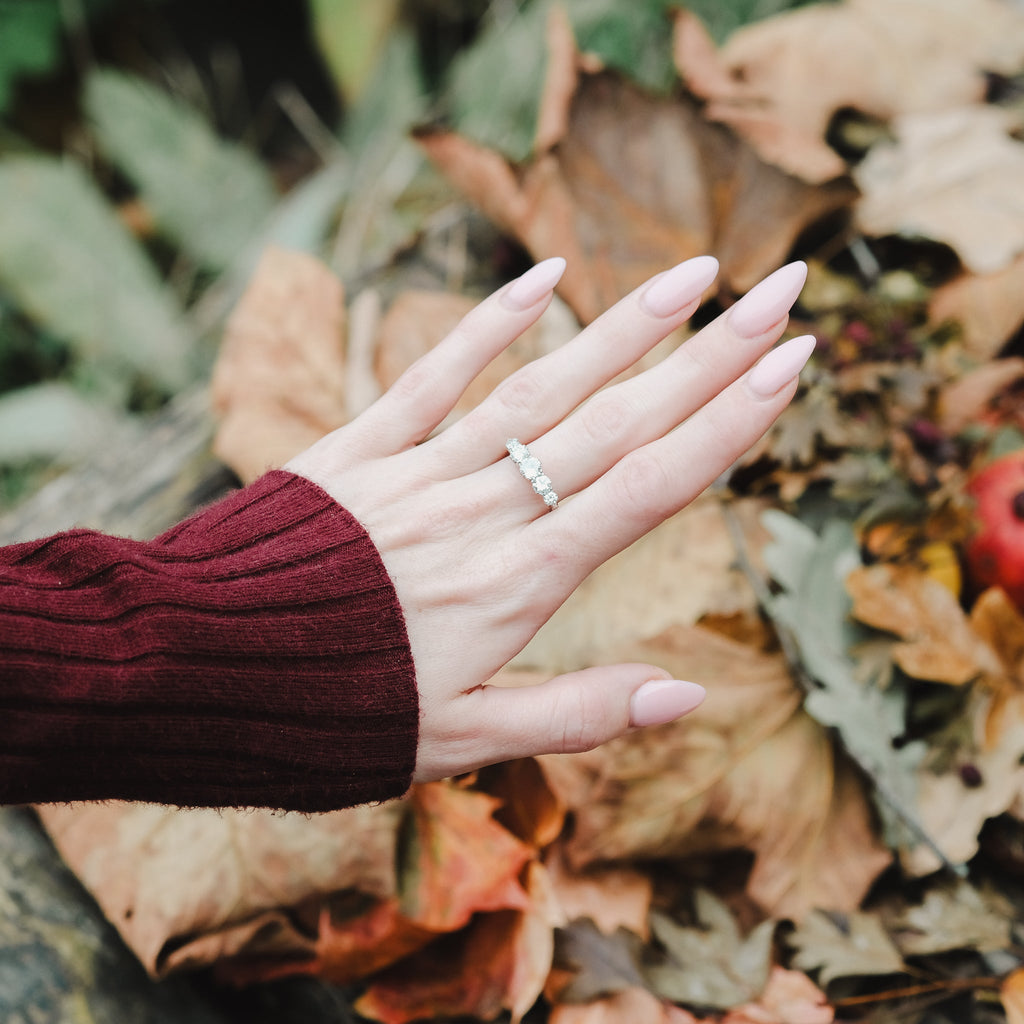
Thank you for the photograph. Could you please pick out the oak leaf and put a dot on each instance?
(844, 946)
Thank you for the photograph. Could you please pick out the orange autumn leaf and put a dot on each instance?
(1011, 993)
(630, 1006)
(459, 860)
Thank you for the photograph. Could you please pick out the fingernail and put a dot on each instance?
(677, 287)
(664, 700)
(528, 290)
(780, 366)
(768, 302)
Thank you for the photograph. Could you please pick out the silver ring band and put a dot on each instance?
(529, 466)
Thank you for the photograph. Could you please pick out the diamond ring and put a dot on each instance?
(529, 466)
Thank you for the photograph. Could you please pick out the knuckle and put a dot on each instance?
(644, 486)
(580, 728)
(607, 419)
(523, 393)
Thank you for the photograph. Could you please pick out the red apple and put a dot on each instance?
(995, 554)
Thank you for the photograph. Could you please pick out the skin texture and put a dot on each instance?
(479, 564)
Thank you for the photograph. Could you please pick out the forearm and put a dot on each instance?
(255, 655)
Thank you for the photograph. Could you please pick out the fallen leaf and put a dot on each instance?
(634, 184)
(613, 898)
(988, 307)
(459, 860)
(600, 964)
(1011, 993)
(750, 770)
(844, 946)
(952, 176)
(790, 997)
(711, 965)
(938, 643)
(187, 887)
(630, 1006)
(954, 916)
(278, 384)
(964, 401)
(780, 82)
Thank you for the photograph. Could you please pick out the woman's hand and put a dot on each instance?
(478, 560)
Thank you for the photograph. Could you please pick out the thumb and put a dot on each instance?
(581, 710)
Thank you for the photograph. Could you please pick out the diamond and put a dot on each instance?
(530, 467)
(550, 499)
(542, 484)
(517, 450)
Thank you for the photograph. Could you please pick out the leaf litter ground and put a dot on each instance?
(838, 834)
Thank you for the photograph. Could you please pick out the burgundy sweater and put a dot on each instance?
(253, 655)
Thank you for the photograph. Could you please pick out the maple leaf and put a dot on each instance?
(844, 946)
(601, 964)
(711, 965)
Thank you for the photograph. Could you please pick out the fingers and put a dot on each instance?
(532, 400)
(569, 714)
(631, 414)
(653, 482)
(429, 389)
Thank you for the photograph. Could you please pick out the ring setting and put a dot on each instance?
(529, 466)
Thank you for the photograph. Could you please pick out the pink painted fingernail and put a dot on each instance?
(538, 281)
(768, 302)
(664, 700)
(677, 287)
(780, 366)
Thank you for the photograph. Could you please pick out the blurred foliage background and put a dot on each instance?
(150, 148)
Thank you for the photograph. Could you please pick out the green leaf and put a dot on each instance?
(814, 608)
(844, 946)
(208, 195)
(72, 266)
(351, 34)
(713, 965)
(52, 422)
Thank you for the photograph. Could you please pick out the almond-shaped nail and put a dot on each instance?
(768, 302)
(664, 700)
(538, 281)
(679, 286)
(780, 366)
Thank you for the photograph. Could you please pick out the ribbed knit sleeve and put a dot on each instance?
(254, 655)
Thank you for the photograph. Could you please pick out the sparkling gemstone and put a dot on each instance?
(517, 450)
(530, 467)
(541, 484)
(550, 499)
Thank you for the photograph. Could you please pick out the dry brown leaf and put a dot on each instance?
(938, 643)
(965, 400)
(187, 887)
(615, 897)
(278, 385)
(630, 1006)
(750, 770)
(632, 185)
(790, 997)
(953, 176)
(675, 575)
(780, 81)
(988, 307)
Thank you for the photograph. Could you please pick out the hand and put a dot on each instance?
(479, 562)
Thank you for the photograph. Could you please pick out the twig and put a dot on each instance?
(947, 985)
(791, 652)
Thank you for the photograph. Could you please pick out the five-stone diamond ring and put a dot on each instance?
(529, 466)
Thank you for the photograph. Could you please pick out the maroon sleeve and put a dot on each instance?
(254, 655)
